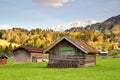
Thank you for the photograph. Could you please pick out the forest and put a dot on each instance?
(107, 41)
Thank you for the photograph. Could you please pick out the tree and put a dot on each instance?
(8, 50)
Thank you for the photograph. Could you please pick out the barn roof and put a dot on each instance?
(30, 49)
(1, 57)
(80, 44)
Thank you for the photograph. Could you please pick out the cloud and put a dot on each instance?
(53, 3)
(5, 27)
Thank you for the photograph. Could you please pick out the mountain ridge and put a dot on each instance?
(107, 24)
(77, 23)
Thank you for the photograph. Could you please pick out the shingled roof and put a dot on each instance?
(80, 44)
(30, 49)
(83, 44)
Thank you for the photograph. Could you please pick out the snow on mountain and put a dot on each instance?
(4, 26)
(78, 23)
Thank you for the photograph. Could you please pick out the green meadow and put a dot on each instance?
(105, 69)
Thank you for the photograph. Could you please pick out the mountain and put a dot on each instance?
(110, 28)
(77, 23)
(107, 24)
(3, 27)
(100, 26)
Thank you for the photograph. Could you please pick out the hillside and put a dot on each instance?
(5, 43)
(5, 46)
(110, 28)
(107, 24)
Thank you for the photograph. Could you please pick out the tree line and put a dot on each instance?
(44, 38)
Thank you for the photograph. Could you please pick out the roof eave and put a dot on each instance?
(66, 38)
(78, 46)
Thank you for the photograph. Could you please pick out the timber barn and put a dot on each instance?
(28, 54)
(69, 52)
(3, 59)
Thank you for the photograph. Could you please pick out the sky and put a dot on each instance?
(31, 14)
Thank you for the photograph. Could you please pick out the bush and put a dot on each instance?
(117, 53)
(112, 52)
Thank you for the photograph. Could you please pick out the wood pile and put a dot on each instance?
(64, 64)
(116, 56)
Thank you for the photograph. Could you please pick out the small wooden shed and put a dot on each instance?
(3, 60)
(28, 54)
(69, 52)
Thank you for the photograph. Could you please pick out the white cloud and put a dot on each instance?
(53, 3)
(5, 27)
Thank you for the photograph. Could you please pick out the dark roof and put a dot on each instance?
(1, 57)
(30, 49)
(80, 44)
(83, 44)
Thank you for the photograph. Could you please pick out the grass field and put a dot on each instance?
(106, 69)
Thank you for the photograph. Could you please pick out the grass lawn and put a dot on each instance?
(106, 69)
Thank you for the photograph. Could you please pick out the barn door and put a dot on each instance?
(34, 59)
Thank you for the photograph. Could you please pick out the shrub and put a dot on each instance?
(112, 52)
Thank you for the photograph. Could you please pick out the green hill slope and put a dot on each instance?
(4, 44)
